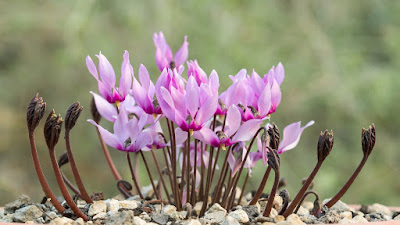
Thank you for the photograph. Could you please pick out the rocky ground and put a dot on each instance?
(136, 211)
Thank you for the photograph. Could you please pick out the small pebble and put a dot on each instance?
(378, 208)
(138, 221)
(30, 212)
(125, 204)
(240, 215)
(112, 205)
(230, 221)
(79, 221)
(347, 215)
(192, 222)
(303, 211)
(97, 207)
(279, 218)
(100, 216)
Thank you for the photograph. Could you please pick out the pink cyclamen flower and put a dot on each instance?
(234, 131)
(106, 82)
(191, 107)
(241, 93)
(144, 92)
(128, 134)
(241, 150)
(291, 137)
(164, 57)
(272, 80)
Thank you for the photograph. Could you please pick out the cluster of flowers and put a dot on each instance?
(200, 122)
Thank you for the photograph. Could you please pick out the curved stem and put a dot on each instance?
(261, 187)
(63, 188)
(133, 176)
(45, 186)
(75, 171)
(272, 194)
(70, 185)
(150, 176)
(300, 194)
(348, 183)
(303, 198)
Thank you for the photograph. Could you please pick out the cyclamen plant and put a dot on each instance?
(209, 140)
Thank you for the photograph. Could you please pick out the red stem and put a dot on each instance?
(261, 187)
(63, 188)
(150, 176)
(78, 180)
(271, 197)
(348, 183)
(45, 186)
(133, 176)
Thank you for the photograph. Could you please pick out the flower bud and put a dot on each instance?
(274, 136)
(72, 115)
(93, 110)
(52, 129)
(273, 159)
(63, 159)
(368, 139)
(35, 112)
(325, 144)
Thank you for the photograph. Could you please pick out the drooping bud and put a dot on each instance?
(274, 136)
(35, 112)
(93, 110)
(72, 115)
(325, 145)
(274, 160)
(254, 111)
(368, 139)
(63, 159)
(52, 129)
(284, 194)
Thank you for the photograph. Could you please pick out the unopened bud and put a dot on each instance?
(325, 144)
(254, 111)
(35, 112)
(273, 159)
(63, 159)
(93, 110)
(274, 136)
(52, 129)
(222, 105)
(368, 139)
(72, 115)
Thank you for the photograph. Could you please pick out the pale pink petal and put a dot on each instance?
(279, 73)
(264, 102)
(214, 82)
(144, 77)
(257, 82)
(247, 130)
(276, 96)
(207, 136)
(105, 109)
(180, 136)
(192, 97)
(207, 110)
(119, 125)
(179, 101)
(166, 103)
(109, 138)
(291, 136)
(106, 70)
(233, 119)
(143, 139)
(91, 67)
(182, 54)
(125, 81)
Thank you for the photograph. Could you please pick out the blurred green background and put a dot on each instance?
(342, 70)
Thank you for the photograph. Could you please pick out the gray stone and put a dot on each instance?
(263, 219)
(97, 207)
(279, 218)
(216, 214)
(252, 211)
(22, 201)
(356, 219)
(308, 205)
(332, 216)
(308, 219)
(122, 218)
(138, 221)
(230, 221)
(191, 222)
(30, 212)
(125, 204)
(135, 197)
(61, 221)
(397, 217)
(112, 205)
(100, 216)
(346, 214)
(2, 213)
(145, 216)
(79, 221)
(303, 211)
(240, 215)
(294, 219)
(159, 218)
(338, 206)
(378, 208)
(373, 217)
(6, 218)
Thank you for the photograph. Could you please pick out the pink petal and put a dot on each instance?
(279, 73)
(144, 77)
(207, 110)
(180, 136)
(291, 136)
(106, 109)
(182, 54)
(257, 82)
(247, 130)
(214, 82)
(264, 101)
(106, 70)
(233, 119)
(125, 81)
(276, 96)
(119, 125)
(192, 97)
(166, 103)
(109, 138)
(91, 67)
(207, 136)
